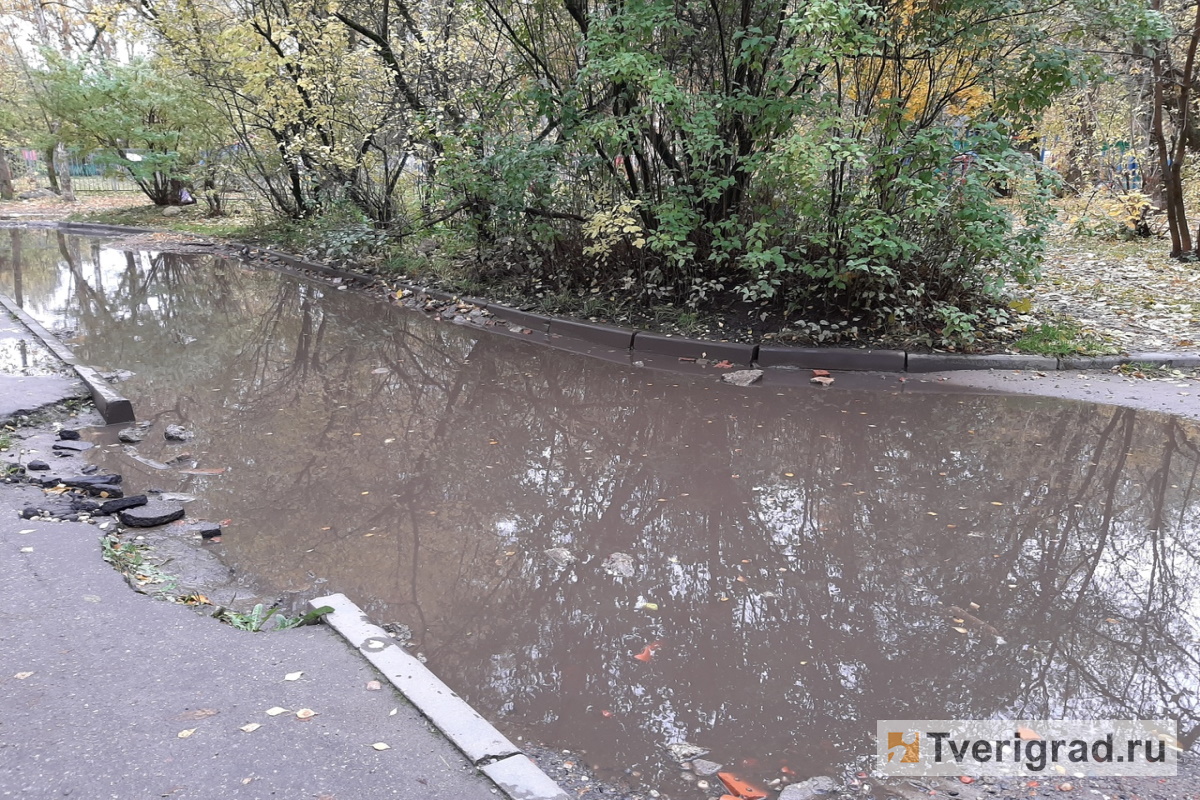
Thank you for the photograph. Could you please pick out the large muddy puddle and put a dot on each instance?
(794, 563)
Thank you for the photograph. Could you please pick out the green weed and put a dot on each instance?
(258, 618)
(1061, 338)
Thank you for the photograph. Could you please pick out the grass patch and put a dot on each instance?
(5, 441)
(258, 618)
(191, 219)
(130, 560)
(1061, 338)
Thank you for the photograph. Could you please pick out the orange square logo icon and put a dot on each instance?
(904, 747)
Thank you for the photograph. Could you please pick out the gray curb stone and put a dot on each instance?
(1091, 362)
(112, 406)
(694, 348)
(471, 733)
(831, 358)
(518, 777)
(936, 362)
(606, 335)
(535, 322)
(477, 738)
(1163, 359)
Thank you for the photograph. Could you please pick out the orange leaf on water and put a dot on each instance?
(647, 652)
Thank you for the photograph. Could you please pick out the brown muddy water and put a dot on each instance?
(801, 562)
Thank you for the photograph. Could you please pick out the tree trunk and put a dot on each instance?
(52, 170)
(6, 179)
(63, 167)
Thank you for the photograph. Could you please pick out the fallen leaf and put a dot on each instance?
(276, 711)
(381, 746)
(293, 676)
(185, 734)
(820, 373)
(380, 371)
(22, 675)
(821, 381)
(202, 471)
(392, 713)
(647, 652)
(305, 713)
(606, 713)
(28, 530)
(1027, 733)
(966, 779)
(962, 630)
(374, 686)
(723, 365)
(251, 728)
(199, 713)
(26, 549)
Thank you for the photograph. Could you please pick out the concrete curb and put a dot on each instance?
(760, 355)
(487, 748)
(112, 406)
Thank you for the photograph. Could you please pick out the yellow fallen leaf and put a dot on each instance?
(293, 676)
(276, 711)
(251, 728)
(374, 686)
(962, 630)
(22, 675)
(305, 713)
(381, 746)
(185, 734)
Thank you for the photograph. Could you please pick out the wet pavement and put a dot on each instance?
(110, 694)
(615, 559)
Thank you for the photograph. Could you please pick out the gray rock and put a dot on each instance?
(704, 767)
(37, 464)
(152, 514)
(742, 377)
(208, 530)
(810, 789)
(71, 447)
(177, 433)
(172, 211)
(131, 435)
(68, 435)
(621, 565)
(560, 555)
(684, 751)
(36, 194)
(122, 503)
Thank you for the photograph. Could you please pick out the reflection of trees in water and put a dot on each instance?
(851, 586)
(28, 271)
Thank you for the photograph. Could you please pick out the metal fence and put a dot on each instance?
(87, 177)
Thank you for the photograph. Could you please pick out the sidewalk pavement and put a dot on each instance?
(99, 687)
